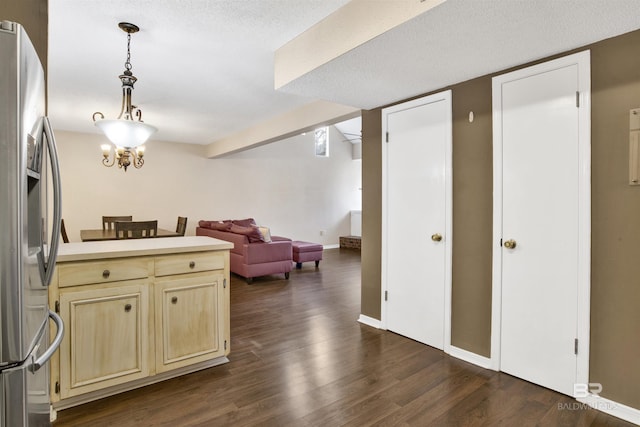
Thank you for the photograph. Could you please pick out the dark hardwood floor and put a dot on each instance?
(300, 358)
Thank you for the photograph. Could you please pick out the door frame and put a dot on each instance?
(448, 232)
(582, 60)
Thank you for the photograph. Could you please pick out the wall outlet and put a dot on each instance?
(322, 232)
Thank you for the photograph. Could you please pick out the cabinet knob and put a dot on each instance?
(106, 274)
(192, 264)
(127, 308)
(174, 300)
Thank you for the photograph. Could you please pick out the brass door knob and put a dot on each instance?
(436, 237)
(510, 244)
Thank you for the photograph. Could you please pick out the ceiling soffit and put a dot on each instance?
(456, 41)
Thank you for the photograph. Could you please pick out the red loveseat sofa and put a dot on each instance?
(253, 253)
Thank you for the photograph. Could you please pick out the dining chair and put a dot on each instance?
(108, 221)
(136, 229)
(63, 231)
(181, 227)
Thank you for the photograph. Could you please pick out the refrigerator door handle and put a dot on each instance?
(57, 202)
(40, 361)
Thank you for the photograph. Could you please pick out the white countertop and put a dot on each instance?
(138, 247)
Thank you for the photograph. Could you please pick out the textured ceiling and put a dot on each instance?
(205, 67)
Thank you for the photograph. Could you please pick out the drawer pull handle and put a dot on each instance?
(106, 274)
(127, 308)
(174, 300)
(192, 264)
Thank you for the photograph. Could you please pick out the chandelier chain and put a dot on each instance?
(127, 64)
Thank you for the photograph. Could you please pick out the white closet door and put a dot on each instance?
(418, 237)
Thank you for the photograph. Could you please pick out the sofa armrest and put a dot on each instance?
(260, 252)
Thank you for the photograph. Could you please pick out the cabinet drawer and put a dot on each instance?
(189, 263)
(84, 273)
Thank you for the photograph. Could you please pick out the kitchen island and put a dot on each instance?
(137, 312)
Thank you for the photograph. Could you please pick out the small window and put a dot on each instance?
(322, 141)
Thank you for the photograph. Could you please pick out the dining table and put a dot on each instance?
(96, 235)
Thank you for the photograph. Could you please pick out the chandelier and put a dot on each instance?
(128, 132)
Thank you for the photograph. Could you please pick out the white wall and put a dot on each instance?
(282, 185)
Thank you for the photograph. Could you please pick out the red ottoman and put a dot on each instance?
(306, 251)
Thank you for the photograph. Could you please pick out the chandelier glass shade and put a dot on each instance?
(128, 132)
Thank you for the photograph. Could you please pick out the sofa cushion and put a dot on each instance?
(252, 232)
(266, 233)
(216, 225)
(248, 222)
(238, 240)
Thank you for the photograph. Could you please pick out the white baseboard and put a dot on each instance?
(467, 356)
(610, 407)
(370, 321)
(334, 246)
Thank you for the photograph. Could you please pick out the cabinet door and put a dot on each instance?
(107, 341)
(189, 320)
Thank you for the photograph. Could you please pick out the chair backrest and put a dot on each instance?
(63, 231)
(181, 227)
(108, 221)
(136, 229)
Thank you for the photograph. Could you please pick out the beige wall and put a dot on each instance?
(615, 269)
(282, 185)
(615, 239)
(472, 217)
(370, 302)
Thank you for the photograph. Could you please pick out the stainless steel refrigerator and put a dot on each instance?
(29, 236)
